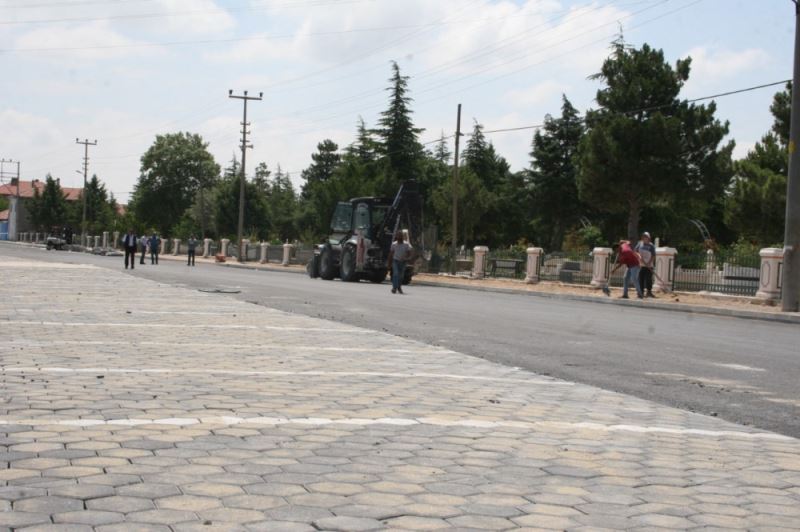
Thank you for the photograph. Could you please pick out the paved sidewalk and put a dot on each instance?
(130, 405)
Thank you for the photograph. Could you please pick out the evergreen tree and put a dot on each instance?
(100, 208)
(399, 144)
(325, 162)
(48, 209)
(756, 204)
(365, 148)
(554, 188)
(226, 205)
(441, 152)
(644, 145)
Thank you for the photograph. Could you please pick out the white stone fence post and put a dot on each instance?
(263, 256)
(105, 239)
(479, 262)
(534, 265)
(223, 247)
(770, 278)
(116, 240)
(97, 241)
(601, 267)
(176, 246)
(163, 250)
(665, 269)
(243, 249)
(206, 247)
(287, 254)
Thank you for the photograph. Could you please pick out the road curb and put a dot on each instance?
(678, 307)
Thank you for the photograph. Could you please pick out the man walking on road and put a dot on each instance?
(399, 254)
(143, 246)
(155, 246)
(129, 242)
(647, 251)
(191, 244)
(630, 259)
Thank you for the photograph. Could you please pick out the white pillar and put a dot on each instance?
(479, 262)
(223, 249)
(287, 254)
(600, 267)
(176, 246)
(533, 266)
(665, 269)
(263, 253)
(97, 241)
(769, 284)
(163, 250)
(105, 239)
(243, 249)
(116, 239)
(206, 247)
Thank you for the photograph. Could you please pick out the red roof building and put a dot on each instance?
(26, 189)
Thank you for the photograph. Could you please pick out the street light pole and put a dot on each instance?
(240, 227)
(790, 300)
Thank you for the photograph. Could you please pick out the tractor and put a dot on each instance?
(362, 232)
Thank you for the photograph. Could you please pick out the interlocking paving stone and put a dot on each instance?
(241, 417)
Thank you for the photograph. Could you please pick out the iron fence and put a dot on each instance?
(573, 267)
(725, 272)
(506, 263)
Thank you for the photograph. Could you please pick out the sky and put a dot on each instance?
(124, 71)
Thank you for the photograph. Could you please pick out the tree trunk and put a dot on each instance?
(634, 210)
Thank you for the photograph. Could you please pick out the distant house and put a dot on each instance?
(4, 224)
(17, 219)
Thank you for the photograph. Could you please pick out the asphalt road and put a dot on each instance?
(741, 370)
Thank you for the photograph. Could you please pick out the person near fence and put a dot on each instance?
(399, 254)
(647, 251)
(143, 247)
(129, 242)
(629, 258)
(191, 246)
(155, 247)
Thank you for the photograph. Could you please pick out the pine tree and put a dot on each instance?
(325, 162)
(554, 188)
(49, 208)
(399, 145)
(645, 146)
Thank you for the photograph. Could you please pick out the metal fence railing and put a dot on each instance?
(573, 267)
(509, 264)
(724, 272)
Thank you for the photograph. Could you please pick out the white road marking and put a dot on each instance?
(440, 422)
(739, 367)
(178, 326)
(281, 373)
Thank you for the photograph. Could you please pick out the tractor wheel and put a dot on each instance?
(349, 274)
(326, 268)
(313, 267)
(49, 246)
(378, 277)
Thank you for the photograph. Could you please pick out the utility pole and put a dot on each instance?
(86, 145)
(790, 301)
(455, 194)
(16, 204)
(240, 229)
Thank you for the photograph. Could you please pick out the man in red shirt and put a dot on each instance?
(627, 257)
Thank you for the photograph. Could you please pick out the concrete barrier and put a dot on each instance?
(479, 263)
(771, 274)
(287, 254)
(601, 266)
(533, 265)
(665, 269)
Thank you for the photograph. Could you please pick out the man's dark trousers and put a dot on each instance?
(130, 254)
(190, 258)
(646, 280)
(153, 257)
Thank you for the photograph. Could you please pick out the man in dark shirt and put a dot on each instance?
(647, 251)
(129, 242)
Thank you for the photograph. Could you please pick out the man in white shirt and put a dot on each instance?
(399, 254)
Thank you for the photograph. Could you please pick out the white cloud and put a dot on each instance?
(93, 40)
(710, 64)
(197, 17)
(546, 92)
